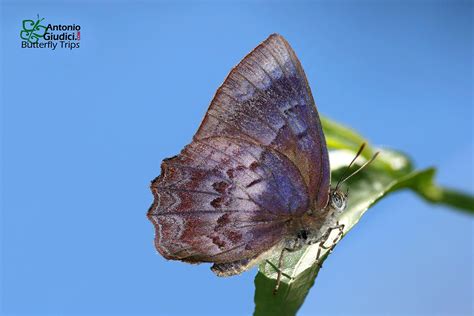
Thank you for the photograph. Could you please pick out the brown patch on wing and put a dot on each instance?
(221, 200)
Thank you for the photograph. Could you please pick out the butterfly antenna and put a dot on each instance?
(360, 168)
(361, 148)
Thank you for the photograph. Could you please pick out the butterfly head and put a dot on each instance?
(338, 200)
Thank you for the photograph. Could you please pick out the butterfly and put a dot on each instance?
(256, 177)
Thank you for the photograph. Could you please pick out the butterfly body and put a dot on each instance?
(256, 178)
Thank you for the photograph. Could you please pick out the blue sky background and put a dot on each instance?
(84, 132)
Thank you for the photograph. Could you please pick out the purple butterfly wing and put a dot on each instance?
(266, 99)
(257, 163)
(224, 199)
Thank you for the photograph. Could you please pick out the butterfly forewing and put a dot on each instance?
(266, 99)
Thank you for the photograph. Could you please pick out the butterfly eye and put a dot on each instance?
(338, 201)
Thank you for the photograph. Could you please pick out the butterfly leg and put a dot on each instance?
(290, 246)
(325, 237)
(278, 280)
(339, 235)
(322, 240)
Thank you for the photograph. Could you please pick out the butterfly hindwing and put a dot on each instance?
(223, 200)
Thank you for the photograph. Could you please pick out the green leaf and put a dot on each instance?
(390, 172)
